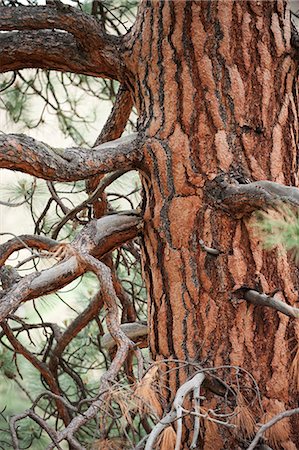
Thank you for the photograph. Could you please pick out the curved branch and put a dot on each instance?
(90, 44)
(25, 241)
(118, 117)
(98, 238)
(80, 322)
(243, 199)
(41, 367)
(25, 154)
(103, 184)
(47, 50)
(134, 330)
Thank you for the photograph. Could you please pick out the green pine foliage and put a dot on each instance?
(280, 227)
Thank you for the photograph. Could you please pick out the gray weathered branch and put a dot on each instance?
(176, 411)
(270, 424)
(134, 331)
(266, 300)
(243, 199)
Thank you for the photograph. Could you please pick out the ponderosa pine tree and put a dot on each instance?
(215, 85)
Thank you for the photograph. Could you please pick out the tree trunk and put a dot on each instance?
(216, 93)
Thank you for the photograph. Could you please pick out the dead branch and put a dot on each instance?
(123, 342)
(41, 367)
(243, 199)
(266, 300)
(22, 153)
(134, 331)
(176, 412)
(269, 424)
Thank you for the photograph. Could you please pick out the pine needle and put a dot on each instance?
(243, 418)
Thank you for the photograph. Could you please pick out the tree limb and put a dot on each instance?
(98, 238)
(118, 118)
(25, 241)
(243, 199)
(25, 154)
(266, 300)
(90, 44)
(54, 50)
(134, 331)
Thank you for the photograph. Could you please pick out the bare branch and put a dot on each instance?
(103, 184)
(25, 154)
(98, 238)
(266, 300)
(90, 312)
(45, 50)
(243, 199)
(118, 117)
(90, 44)
(123, 342)
(25, 241)
(134, 331)
(270, 424)
(113, 129)
(41, 367)
(176, 411)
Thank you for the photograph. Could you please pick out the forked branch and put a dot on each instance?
(176, 413)
(98, 238)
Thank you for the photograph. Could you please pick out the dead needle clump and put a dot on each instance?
(295, 369)
(243, 418)
(167, 439)
(146, 396)
(110, 444)
(279, 432)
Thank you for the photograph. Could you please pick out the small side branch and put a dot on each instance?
(270, 424)
(134, 331)
(243, 199)
(256, 298)
(25, 154)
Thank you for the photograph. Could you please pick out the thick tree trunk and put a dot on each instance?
(216, 92)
